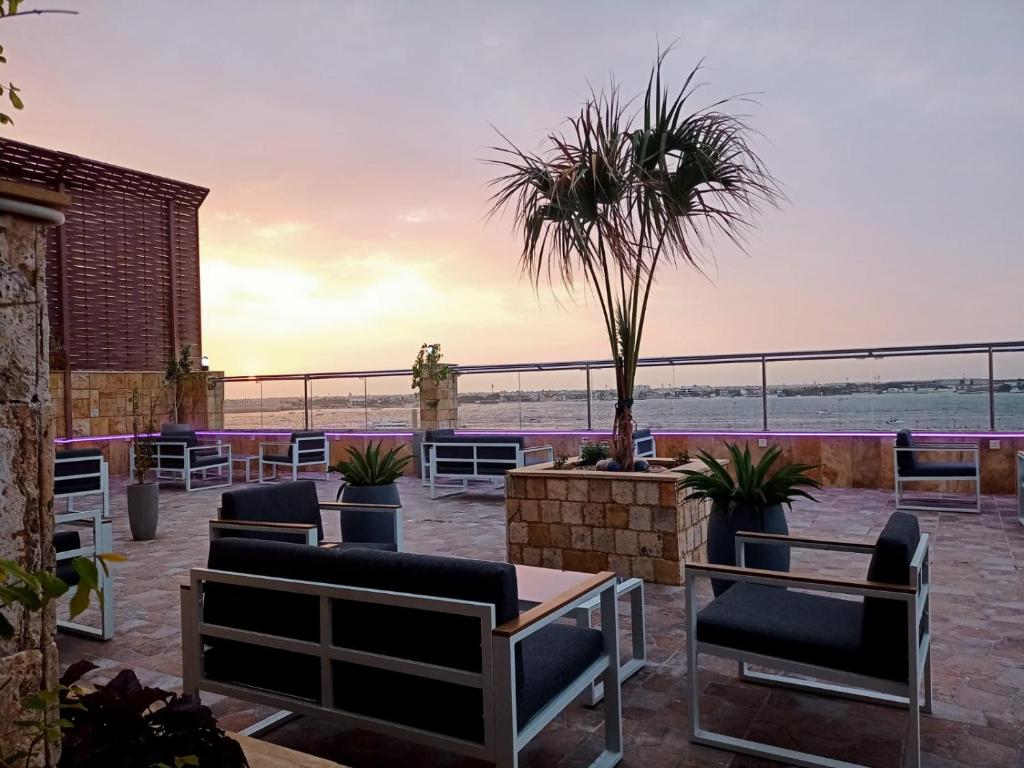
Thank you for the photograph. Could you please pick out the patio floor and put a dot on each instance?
(978, 646)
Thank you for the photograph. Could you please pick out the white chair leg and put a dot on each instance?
(612, 680)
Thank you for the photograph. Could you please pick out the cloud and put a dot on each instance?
(424, 216)
(281, 230)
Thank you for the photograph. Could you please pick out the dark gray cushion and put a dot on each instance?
(200, 460)
(277, 458)
(551, 659)
(813, 629)
(905, 460)
(885, 621)
(292, 502)
(65, 541)
(308, 451)
(939, 469)
(77, 461)
(432, 434)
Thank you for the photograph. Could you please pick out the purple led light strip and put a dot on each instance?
(569, 433)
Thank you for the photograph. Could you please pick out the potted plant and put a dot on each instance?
(749, 498)
(631, 184)
(143, 496)
(368, 477)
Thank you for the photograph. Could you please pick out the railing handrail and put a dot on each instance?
(646, 362)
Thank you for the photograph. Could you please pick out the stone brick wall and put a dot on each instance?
(101, 402)
(634, 524)
(28, 661)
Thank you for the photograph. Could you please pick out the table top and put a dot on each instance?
(538, 585)
(244, 456)
(262, 754)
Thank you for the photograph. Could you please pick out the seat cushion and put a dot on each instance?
(277, 458)
(66, 541)
(292, 502)
(208, 461)
(551, 659)
(801, 627)
(939, 469)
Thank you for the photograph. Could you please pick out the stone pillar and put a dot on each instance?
(28, 661)
(439, 403)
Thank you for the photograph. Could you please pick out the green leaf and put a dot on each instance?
(51, 586)
(80, 600)
(16, 101)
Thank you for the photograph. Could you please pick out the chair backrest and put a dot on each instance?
(78, 461)
(418, 635)
(885, 621)
(905, 460)
(495, 454)
(291, 502)
(310, 446)
(643, 442)
(432, 434)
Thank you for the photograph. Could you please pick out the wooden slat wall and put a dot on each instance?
(117, 241)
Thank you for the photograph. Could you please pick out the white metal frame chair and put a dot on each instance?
(920, 475)
(166, 453)
(517, 456)
(916, 598)
(645, 447)
(102, 476)
(503, 738)
(297, 447)
(102, 543)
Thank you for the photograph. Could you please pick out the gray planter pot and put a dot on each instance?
(370, 526)
(722, 528)
(143, 510)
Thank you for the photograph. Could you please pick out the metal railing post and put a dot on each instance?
(764, 394)
(366, 407)
(306, 416)
(991, 392)
(590, 422)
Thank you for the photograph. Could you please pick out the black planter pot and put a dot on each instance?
(370, 526)
(722, 528)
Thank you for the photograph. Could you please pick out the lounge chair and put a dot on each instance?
(875, 649)
(291, 512)
(303, 449)
(430, 649)
(910, 469)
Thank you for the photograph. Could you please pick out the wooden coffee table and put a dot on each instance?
(261, 754)
(539, 585)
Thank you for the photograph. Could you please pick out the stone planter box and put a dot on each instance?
(632, 523)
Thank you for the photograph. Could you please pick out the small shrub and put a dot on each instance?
(591, 453)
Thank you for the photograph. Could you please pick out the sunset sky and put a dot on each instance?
(341, 142)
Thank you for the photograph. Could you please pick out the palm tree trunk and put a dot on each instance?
(622, 429)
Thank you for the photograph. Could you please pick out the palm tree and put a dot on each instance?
(623, 189)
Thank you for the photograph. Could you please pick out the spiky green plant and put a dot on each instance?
(372, 466)
(750, 484)
(624, 189)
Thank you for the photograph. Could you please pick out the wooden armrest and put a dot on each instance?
(185, 587)
(267, 524)
(354, 505)
(806, 541)
(540, 612)
(805, 580)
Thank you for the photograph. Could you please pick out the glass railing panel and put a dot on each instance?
(1009, 390)
(243, 405)
(933, 392)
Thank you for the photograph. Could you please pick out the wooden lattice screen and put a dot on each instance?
(122, 274)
